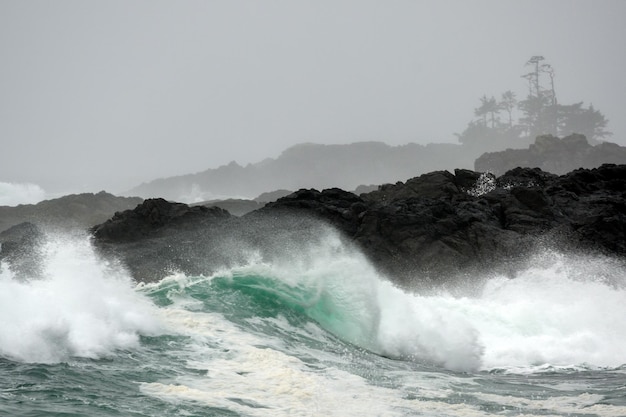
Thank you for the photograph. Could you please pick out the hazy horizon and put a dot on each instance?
(107, 95)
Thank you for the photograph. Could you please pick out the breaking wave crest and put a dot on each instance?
(561, 311)
(81, 307)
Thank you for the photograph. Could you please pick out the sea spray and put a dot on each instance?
(81, 307)
(560, 311)
(431, 329)
(333, 284)
(313, 331)
(565, 311)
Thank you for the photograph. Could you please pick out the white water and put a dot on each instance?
(80, 308)
(547, 315)
(249, 373)
(560, 312)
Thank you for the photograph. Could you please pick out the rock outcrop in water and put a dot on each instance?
(159, 236)
(435, 227)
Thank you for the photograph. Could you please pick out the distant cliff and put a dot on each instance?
(310, 166)
(554, 155)
(75, 210)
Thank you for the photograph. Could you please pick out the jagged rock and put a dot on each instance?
(431, 226)
(159, 236)
(154, 217)
(435, 227)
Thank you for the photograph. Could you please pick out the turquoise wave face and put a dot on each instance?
(311, 332)
(347, 312)
(522, 323)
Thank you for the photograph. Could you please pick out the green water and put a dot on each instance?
(327, 337)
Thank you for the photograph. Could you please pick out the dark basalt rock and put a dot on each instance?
(158, 237)
(155, 217)
(431, 228)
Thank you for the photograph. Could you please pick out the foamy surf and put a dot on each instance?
(558, 312)
(315, 332)
(562, 313)
(80, 307)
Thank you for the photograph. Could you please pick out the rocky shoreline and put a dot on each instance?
(436, 227)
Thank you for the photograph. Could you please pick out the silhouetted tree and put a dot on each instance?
(508, 102)
(488, 107)
(534, 76)
(539, 108)
(540, 113)
(574, 118)
(537, 119)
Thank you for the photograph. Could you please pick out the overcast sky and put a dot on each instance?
(108, 94)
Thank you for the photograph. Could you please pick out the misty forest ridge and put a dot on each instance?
(363, 166)
(534, 122)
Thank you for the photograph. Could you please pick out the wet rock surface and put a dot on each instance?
(430, 228)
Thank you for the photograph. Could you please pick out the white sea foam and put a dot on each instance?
(553, 314)
(245, 376)
(582, 404)
(12, 194)
(431, 329)
(562, 311)
(80, 308)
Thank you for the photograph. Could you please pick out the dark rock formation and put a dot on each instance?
(158, 237)
(432, 228)
(554, 155)
(155, 217)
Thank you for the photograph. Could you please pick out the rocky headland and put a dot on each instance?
(436, 227)
(553, 154)
(310, 165)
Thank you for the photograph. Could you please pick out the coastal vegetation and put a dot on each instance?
(512, 122)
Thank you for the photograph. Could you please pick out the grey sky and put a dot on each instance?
(106, 95)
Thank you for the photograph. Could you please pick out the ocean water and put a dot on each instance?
(316, 332)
